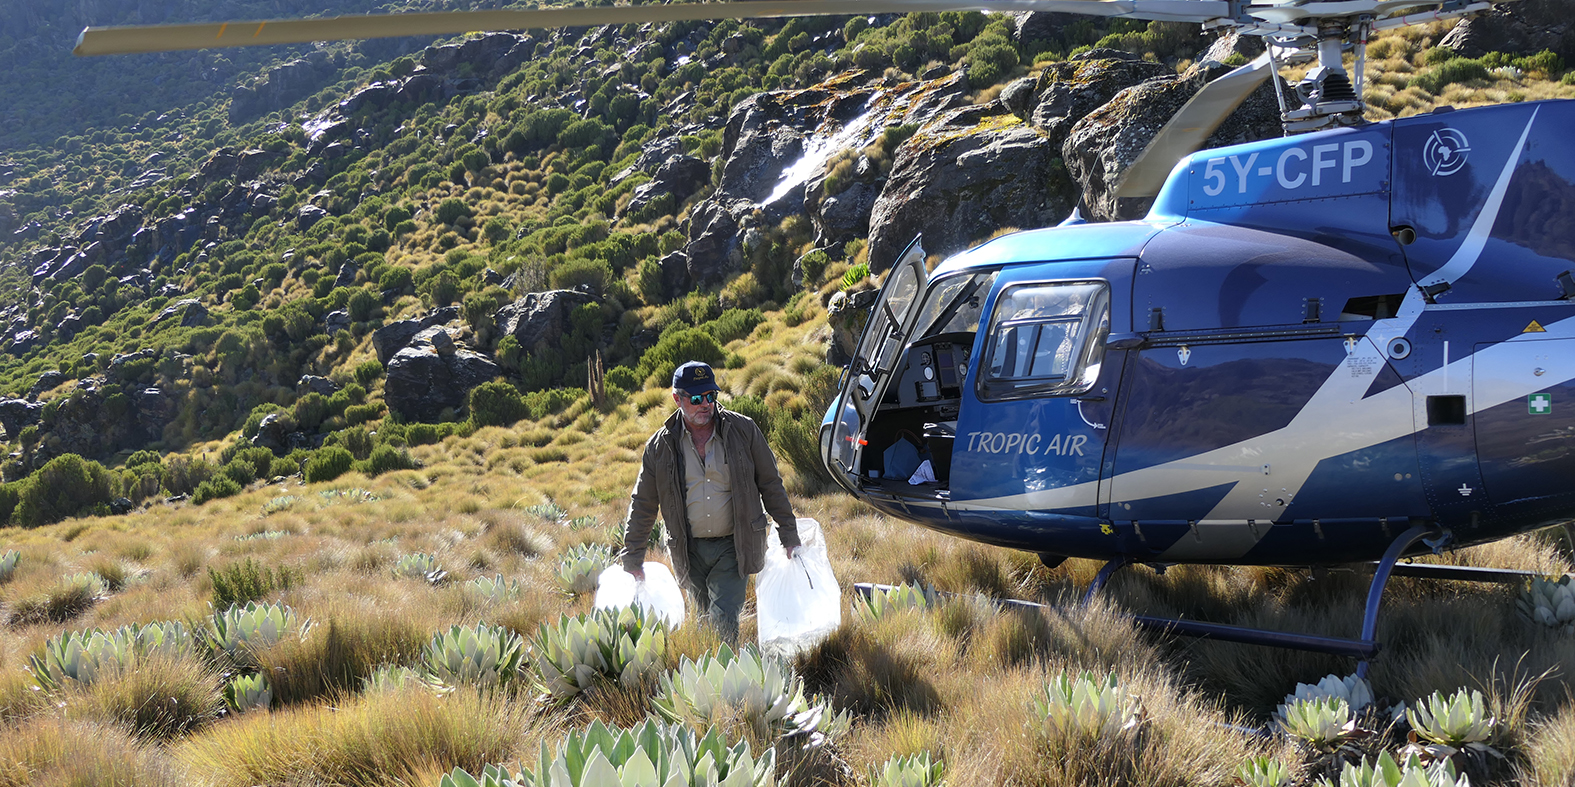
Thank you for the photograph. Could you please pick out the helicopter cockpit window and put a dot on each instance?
(955, 305)
(1046, 340)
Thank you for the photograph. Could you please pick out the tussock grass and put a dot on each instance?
(339, 654)
(163, 698)
(48, 750)
(375, 739)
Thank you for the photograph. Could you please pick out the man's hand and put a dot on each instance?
(638, 574)
(790, 551)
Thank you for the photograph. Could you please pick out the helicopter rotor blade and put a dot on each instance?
(164, 38)
(1188, 128)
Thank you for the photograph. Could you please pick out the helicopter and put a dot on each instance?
(1352, 343)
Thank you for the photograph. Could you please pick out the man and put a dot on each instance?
(712, 477)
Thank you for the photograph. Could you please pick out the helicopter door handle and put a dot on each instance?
(1089, 399)
(1125, 341)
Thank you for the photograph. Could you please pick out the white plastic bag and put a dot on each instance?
(658, 595)
(797, 602)
(808, 535)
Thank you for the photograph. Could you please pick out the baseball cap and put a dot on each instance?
(695, 377)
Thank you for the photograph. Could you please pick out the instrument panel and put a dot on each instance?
(933, 372)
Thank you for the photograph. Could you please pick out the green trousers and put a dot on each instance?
(715, 584)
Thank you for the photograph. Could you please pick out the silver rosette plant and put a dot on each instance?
(1450, 724)
(1087, 705)
(394, 678)
(84, 655)
(8, 561)
(1321, 722)
(766, 695)
(1263, 772)
(420, 565)
(1385, 772)
(915, 770)
(1354, 690)
(882, 602)
(579, 567)
(493, 589)
(245, 693)
(483, 656)
(624, 645)
(1550, 602)
(651, 754)
(239, 630)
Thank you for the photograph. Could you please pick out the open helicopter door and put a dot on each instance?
(842, 435)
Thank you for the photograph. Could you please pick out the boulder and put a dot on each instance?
(841, 217)
(540, 319)
(679, 176)
(962, 178)
(308, 215)
(761, 140)
(1100, 146)
(1523, 28)
(713, 251)
(47, 381)
(336, 321)
(191, 309)
(274, 433)
(393, 337)
(17, 414)
(420, 383)
(314, 384)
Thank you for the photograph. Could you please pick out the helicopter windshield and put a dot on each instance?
(954, 305)
(1046, 340)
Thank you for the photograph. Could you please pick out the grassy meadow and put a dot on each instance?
(959, 679)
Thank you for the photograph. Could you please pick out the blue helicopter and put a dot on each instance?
(1351, 344)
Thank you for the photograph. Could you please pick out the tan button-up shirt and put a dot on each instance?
(709, 489)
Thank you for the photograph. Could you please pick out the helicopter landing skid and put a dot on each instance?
(1362, 649)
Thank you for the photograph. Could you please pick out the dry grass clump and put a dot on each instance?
(1550, 749)
(340, 653)
(374, 739)
(48, 750)
(164, 698)
(1178, 738)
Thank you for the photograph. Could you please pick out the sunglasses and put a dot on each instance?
(708, 397)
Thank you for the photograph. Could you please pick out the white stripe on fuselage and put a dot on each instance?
(1337, 420)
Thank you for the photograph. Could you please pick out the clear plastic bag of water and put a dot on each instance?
(798, 602)
(658, 595)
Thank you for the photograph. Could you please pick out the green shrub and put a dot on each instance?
(361, 413)
(678, 345)
(328, 463)
(798, 441)
(753, 407)
(386, 458)
(551, 402)
(452, 210)
(496, 404)
(261, 460)
(734, 324)
(239, 583)
(1435, 79)
(310, 410)
(9, 495)
(367, 371)
(65, 487)
(1546, 61)
(421, 434)
(215, 488)
(1437, 55)
(240, 471)
(283, 466)
(623, 377)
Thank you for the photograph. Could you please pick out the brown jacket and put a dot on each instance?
(757, 488)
